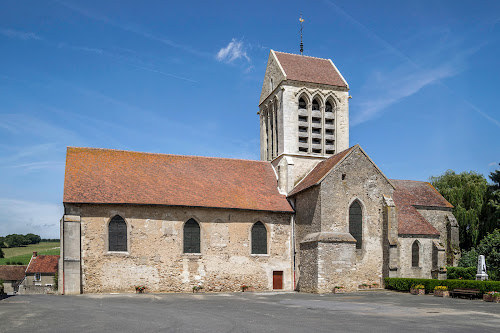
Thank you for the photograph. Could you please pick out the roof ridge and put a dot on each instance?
(300, 55)
(411, 180)
(164, 154)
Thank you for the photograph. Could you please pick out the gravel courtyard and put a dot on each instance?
(373, 311)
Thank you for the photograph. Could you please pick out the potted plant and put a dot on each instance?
(364, 286)
(338, 289)
(375, 285)
(140, 289)
(197, 288)
(492, 296)
(244, 287)
(441, 291)
(419, 289)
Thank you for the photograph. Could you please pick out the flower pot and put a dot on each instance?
(338, 290)
(417, 291)
(442, 293)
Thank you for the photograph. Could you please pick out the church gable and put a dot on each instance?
(273, 77)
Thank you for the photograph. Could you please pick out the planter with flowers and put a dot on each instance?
(492, 296)
(419, 289)
(441, 291)
(140, 289)
(364, 286)
(339, 290)
(197, 288)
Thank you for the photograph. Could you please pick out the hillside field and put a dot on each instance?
(23, 254)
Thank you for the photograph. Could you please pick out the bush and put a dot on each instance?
(404, 284)
(461, 273)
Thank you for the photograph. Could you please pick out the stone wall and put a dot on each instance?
(443, 220)
(424, 271)
(155, 255)
(325, 209)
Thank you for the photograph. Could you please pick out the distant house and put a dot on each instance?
(12, 276)
(41, 270)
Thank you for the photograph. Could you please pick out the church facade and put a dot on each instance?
(312, 215)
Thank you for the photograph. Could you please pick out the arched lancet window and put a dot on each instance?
(415, 254)
(315, 105)
(259, 238)
(117, 234)
(356, 223)
(302, 103)
(328, 107)
(191, 237)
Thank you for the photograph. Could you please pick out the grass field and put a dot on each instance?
(23, 254)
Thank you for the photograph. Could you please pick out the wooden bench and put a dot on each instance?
(466, 292)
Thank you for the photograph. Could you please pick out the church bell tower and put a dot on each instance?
(304, 115)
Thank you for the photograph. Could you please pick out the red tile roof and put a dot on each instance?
(43, 264)
(12, 272)
(310, 69)
(125, 177)
(407, 195)
(319, 172)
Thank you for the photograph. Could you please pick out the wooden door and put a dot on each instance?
(277, 279)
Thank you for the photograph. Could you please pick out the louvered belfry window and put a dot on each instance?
(191, 237)
(259, 239)
(356, 223)
(117, 232)
(415, 254)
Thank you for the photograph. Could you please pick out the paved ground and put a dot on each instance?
(380, 311)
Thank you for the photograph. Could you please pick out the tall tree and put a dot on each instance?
(493, 207)
(1, 253)
(467, 192)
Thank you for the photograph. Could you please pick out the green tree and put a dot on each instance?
(33, 239)
(493, 206)
(1, 253)
(467, 192)
(490, 248)
(2, 242)
(15, 240)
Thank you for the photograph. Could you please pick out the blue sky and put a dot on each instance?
(185, 78)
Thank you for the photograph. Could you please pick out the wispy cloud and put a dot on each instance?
(401, 84)
(129, 28)
(16, 34)
(232, 51)
(21, 216)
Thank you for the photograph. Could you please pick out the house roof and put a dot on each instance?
(43, 264)
(124, 177)
(12, 272)
(319, 172)
(310, 69)
(407, 195)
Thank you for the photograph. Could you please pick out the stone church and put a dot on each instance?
(313, 214)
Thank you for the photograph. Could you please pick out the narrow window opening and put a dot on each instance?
(316, 141)
(315, 105)
(302, 140)
(356, 223)
(343, 176)
(259, 238)
(329, 142)
(303, 149)
(302, 129)
(329, 132)
(117, 234)
(415, 254)
(302, 103)
(328, 107)
(316, 130)
(329, 151)
(316, 120)
(191, 237)
(303, 118)
(316, 151)
(329, 121)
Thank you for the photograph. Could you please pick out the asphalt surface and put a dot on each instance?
(371, 311)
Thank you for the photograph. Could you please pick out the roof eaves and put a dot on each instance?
(279, 64)
(340, 74)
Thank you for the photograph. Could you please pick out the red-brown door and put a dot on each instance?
(277, 279)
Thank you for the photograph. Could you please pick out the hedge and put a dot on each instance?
(404, 284)
(461, 273)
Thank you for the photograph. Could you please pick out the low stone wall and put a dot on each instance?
(32, 290)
